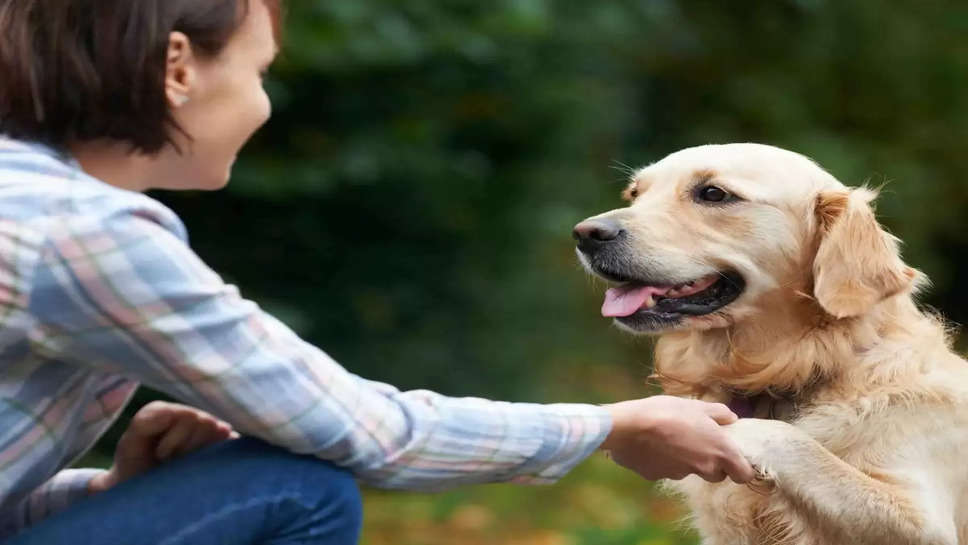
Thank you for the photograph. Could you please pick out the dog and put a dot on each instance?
(774, 290)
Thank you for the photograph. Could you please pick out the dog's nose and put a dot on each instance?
(591, 234)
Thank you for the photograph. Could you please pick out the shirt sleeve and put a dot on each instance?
(54, 496)
(129, 296)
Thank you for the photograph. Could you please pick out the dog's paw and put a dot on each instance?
(764, 443)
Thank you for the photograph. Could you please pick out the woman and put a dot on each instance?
(101, 101)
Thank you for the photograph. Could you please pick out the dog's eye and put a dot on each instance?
(711, 193)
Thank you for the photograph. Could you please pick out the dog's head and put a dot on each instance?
(713, 234)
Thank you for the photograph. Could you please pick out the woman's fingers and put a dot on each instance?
(191, 430)
(209, 430)
(182, 430)
(153, 419)
(722, 414)
(736, 466)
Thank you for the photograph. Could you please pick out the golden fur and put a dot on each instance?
(873, 450)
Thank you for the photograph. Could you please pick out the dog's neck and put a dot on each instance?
(789, 351)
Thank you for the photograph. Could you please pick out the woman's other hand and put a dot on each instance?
(159, 432)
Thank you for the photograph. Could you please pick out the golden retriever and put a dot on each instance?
(774, 290)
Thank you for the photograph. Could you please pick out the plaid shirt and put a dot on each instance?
(99, 291)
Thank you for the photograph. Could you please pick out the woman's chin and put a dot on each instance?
(221, 183)
(218, 180)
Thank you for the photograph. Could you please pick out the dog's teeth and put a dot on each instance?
(650, 302)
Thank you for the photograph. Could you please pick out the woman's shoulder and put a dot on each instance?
(48, 190)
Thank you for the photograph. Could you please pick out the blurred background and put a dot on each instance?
(410, 205)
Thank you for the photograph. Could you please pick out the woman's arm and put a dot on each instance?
(127, 295)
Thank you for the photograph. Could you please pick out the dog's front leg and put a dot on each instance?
(847, 502)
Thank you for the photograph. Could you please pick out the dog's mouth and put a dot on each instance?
(642, 305)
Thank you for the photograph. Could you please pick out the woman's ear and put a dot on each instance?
(857, 263)
(179, 70)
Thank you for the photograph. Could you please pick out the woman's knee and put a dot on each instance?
(314, 492)
(339, 505)
(350, 508)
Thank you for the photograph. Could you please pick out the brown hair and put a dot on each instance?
(77, 70)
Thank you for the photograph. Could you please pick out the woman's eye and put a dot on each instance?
(711, 193)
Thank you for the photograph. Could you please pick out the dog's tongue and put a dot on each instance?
(627, 300)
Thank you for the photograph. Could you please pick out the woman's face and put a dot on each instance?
(220, 102)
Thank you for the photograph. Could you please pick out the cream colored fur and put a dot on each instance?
(877, 452)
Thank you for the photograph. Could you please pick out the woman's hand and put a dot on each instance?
(664, 437)
(159, 432)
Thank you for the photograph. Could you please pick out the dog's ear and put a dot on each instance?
(857, 263)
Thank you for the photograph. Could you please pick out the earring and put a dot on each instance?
(180, 100)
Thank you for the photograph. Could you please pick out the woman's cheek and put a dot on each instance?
(254, 115)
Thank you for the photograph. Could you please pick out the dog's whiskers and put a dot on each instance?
(625, 169)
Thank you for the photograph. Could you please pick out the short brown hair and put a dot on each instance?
(78, 70)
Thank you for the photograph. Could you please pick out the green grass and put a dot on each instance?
(597, 504)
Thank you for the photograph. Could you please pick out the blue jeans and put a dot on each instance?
(238, 492)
